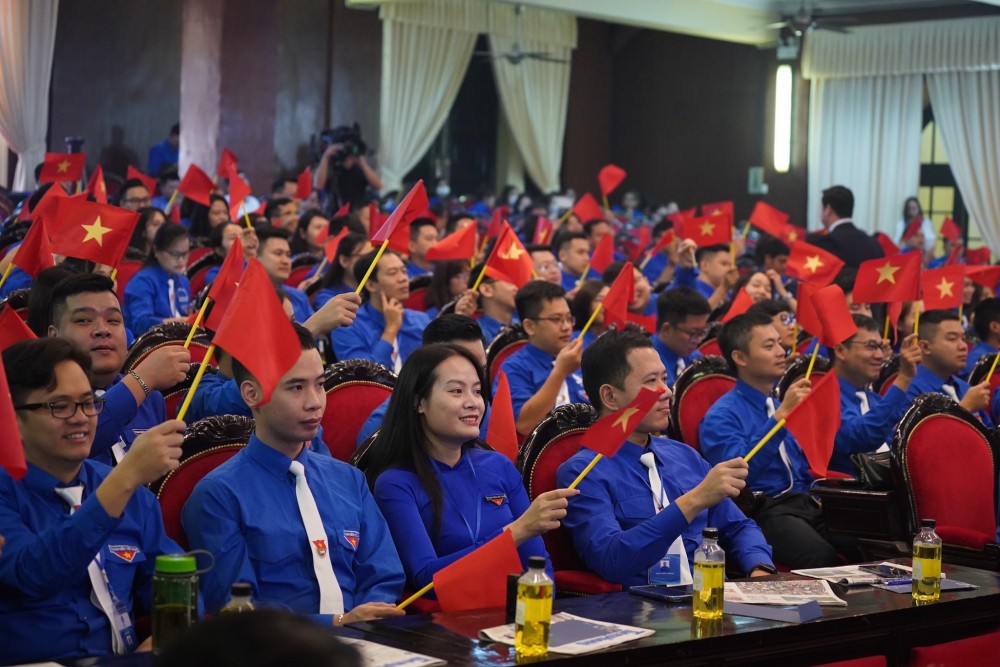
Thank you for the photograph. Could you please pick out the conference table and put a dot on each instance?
(874, 622)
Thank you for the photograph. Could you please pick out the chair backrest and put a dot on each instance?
(982, 368)
(198, 271)
(697, 387)
(886, 375)
(302, 266)
(161, 335)
(417, 300)
(553, 441)
(199, 252)
(174, 396)
(18, 300)
(710, 345)
(797, 369)
(508, 341)
(947, 462)
(354, 388)
(126, 270)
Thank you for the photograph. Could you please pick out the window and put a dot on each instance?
(939, 197)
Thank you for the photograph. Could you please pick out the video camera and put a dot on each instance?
(348, 135)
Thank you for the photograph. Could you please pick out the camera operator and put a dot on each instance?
(343, 172)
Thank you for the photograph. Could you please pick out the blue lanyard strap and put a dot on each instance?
(473, 536)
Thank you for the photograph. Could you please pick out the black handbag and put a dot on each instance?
(874, 471)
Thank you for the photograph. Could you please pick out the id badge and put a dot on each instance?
(666, 571)
(123, 626)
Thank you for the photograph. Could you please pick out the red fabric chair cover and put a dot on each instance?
(198, 279)
(870, 661)
(696, 402)
(176, 488)
(196, 254)
(887, 385)
(169, 333)
(348, 407)
(981, 369)
(126, 270)
(417, 299)
(174, 396)
(502, 356)
(18, 300)
(298, 274)
(710, 347)
(960, 653)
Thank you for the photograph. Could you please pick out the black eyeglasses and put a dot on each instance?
(873, 345)
(557, 320)
(66, 409)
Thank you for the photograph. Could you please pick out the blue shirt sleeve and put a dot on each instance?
(119, 410)
(362, 340)
(726, 434)
(373, 423)
(866, 433)
(141, 296)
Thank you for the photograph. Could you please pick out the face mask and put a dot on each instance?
(443, 191)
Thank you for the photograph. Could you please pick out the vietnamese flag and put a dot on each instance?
(607, 435)
(304, 184)
(239, 190)
(645, 236)
(604, 253)
(62, 167)
(942, 288)
(224, 286)
(87, 230)
(791, 233)
(509, 260)
(888, 279)
(888, 247)
(227, 163)
(501, 434)
(836, 322)
(587, 208)
(344, 210)
(12, 328)
(987, 276)
(543, 231)
(610, 177)
(97, 187)
(458, 245)
(741, 303)
(977, 256)
(479, 579)
(256, 331)
(11, 450)
(197, 186)
(34, 255)
(811, 264)
(805, 313)
(409, 209)
(46, 206)
(768, 219)
(709, 230)
(815, 420)
(148, 181)
(665, 239)
(331, 247)
(719, 208)
(950, 230)
(619, 296)
(913, 227)
(496, 222)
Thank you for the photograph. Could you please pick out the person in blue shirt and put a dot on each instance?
(589, 296)
(867, 420)
(425, 473)
(160, 291)
(495, 300)
(449, 282)
(658, 268)
(790, 518)
(338, 277)
(166, 153)
(716, 273)
(221, 240)
(621, 531)
(245, 512)
(642, 307)
(986, 321)
(275, 254)
(384, 331)
(166, 185)
(546, 266)
(573, 251)
(85, 310)
(423, 235)
(681, 326)
(542, 374)
(47, 610)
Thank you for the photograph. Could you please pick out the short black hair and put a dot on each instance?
(128, 185)
(278, 184)
(564, 238)
(770, 307)
(845, 279)
(588, 227)
(450, 327)
(735, 334)
(361, 267)
(31, 364)
(929, 321)
(605, 361)
(306, 341)
(863, 323)
(677, 304)
(79, 283)
(709, 250)
(769, 246)
(418, 223)
(272, 206)
(538, 247)
(265, 234)
(985, 313)
(40, 296)
(610, 273)
(175, 129)
(530, 300)
(166, 235)
(840, 199)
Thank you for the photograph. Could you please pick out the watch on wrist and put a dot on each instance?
(767, 568)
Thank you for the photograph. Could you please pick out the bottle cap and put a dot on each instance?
(176, 564)
(536, 563)
(928, 523)
(712, 533)
(241, 589)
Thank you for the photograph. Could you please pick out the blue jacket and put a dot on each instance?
(324, 295)
(670, 359)
(866, 433)
(975, 353)
(412, 271)
(616, 529)
(45, 608)
(246, 514)
(527, 370)
(121, 419)
(363, 339)
(655, 266)
(147, 298)
(301, 307)
(491, 327)
(926, 381)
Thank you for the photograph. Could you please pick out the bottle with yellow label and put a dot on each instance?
(926, 563)
(534, 611)
(709, 573)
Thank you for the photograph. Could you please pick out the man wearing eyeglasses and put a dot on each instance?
(681, 326)
(133, 195)
(867, 419)
(82, 538)
(544, 373)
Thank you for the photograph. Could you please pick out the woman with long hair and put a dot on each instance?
(160, 291)
(150, 219)
(339, 277)
(206, 218)
(449, 281)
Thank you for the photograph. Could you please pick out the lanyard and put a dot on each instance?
(473, 536)
(658, 505)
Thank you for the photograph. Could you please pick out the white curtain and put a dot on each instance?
(967, 111)
(27, 41)
(864, 133)
(534, 94)
(3, 163)
(426, 49)
(510, 166)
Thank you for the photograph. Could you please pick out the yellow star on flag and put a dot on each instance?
(542, 235)
(624, 417)
(63, 166)
(716, 211)
(944, 287)
(513, 251)
(813, 263)
(793, 236)
(887, 273)
(96, 231)
(707, 228)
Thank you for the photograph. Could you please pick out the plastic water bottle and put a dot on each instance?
(534, 611)
(709, 571)
(175, 598)
(926, 563)
(239, 598)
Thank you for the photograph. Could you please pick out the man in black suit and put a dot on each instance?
(842, 238)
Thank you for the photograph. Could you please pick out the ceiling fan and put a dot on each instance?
(803, 22)
(515, 55)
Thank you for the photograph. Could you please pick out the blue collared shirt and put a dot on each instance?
(491, 327)
(301, 308)
(482, 494)
(327, 293)
(527, 370)
(246, 514)
(926, 381)
(865, 433)
(121, 419)
(616, 529)
(363, 339)
(736, 423)
(703, 288)
(46, 611)
(670, 359)
(412, 271)
(147, 298)
(655, 267)
(976, 352)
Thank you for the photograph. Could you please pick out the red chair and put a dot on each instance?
(174, 396)
(18, 300)
(354, 388)
(198, 271)
(870, 661)
(959, 653)
(886, 375)
(508, 341)
(417, 300)
(302, 266)
(126, 270)
(697, 387)
(553, 441)
(161, 335)
(198, 253)
(981, 369)
(797, 369)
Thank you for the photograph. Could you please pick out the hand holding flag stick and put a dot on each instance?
(414, 203)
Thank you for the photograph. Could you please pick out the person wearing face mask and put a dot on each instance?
(160, 292)
(441, 496)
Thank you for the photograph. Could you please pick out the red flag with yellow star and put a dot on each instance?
(87, 230)
(543, 231)
(768, 219)
(62, 167)
(709, 230)
(792, 233)
(148, 181)
(719, 208)
(619, 296)
(811, 264)
(942, 288)
(34, 255)
(96, 186)
(46, 206)
(607, 435)
(888, 279)
(987, 276)
(510, 260)
(457, 245)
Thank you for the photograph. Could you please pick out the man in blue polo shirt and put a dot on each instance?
(384, 331)
(80, 535)
(681, 326)
(573, 251)
(423, 235)
(624, 531)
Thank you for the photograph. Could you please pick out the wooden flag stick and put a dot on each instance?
(593, 316)
(993, 367)
(645, 261)
(410, 600)
(583, 276)
(246, 214)
(888, 321)
(114, 274)
(916, 316)
(746, 230)
(197, 321)
(604, 199)
(196, 382)
(763, 441)
(170, 202)
(960, 306)
(319, 269)
(6, 273)
(368, 273)
(565, 216)
(812, 360)
(482, 274)
(586, 471)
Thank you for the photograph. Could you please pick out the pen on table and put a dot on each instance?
(897, 582)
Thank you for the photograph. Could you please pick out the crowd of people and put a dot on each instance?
(325, 539)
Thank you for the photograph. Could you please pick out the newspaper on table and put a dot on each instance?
(845, 575)
(783, 592)
(573, 635)
(377, 655)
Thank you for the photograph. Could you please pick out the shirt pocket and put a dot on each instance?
(121, 562)
(636, 506)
